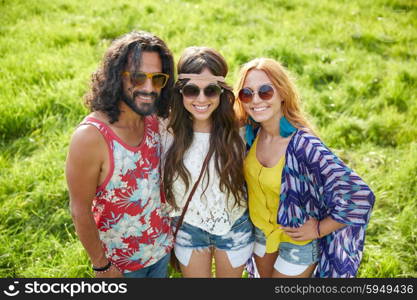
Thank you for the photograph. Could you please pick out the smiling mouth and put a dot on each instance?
(258, 109)
(145, 98)
(201, 108)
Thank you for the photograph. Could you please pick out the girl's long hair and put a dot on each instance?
(282, 81)
(224, 138)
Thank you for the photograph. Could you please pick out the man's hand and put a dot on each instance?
(113, 272)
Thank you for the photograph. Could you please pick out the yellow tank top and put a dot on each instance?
(264, 187)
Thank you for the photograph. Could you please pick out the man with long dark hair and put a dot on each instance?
(113, 163)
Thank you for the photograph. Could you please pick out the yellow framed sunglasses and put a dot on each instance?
(159, 80)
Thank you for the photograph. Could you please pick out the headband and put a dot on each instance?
(200, 77)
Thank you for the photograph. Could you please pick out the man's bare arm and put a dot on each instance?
(83, 165)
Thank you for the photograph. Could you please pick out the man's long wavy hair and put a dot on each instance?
(106, 83)
(224, 138)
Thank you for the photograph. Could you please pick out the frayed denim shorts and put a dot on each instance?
(237, 243)
(292, 259)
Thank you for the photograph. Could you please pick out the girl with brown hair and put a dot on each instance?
(202, 123)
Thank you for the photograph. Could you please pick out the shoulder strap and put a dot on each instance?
(100, 125)
(190, 196)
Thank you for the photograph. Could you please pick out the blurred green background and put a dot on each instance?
(356, 68)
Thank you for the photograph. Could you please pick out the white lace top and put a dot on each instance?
(211, 211)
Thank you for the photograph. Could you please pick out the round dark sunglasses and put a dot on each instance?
(193, 91)
(159, 80)
(265, 92)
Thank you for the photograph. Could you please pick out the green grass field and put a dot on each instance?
(356, 68)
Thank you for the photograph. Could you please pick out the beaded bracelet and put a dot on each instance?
(102, 269)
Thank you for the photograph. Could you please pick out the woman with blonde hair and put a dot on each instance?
(309, 209)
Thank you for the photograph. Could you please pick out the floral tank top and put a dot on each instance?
(129, 207)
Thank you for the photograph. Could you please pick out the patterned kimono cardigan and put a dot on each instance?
(316, 183)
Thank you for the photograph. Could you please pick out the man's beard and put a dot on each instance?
(144, 109)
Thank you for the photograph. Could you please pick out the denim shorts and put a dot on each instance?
(157, 270)
(238, 242)
(291, 256)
